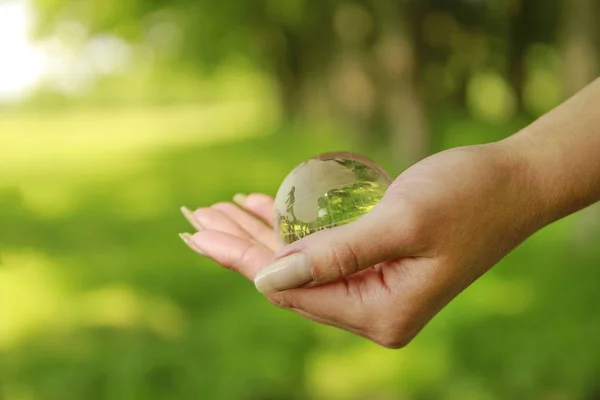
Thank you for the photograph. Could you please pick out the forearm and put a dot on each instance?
(561, 152)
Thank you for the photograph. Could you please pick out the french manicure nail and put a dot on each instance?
(240, 199)
(187, 239)
(191, 218)
(287, 273)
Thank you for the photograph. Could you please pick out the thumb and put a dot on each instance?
(332, 254)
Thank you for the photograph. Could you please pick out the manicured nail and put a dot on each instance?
(191, 218)
(287, 273)
(187, 239)
(240, 199)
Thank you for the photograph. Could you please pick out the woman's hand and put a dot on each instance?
(441, 224)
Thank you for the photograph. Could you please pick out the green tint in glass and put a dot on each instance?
(329, 190)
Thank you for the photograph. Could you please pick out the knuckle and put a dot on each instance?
(344, 259)
(245, 255)
(281, 300)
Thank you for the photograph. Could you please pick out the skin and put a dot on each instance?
(442, 224)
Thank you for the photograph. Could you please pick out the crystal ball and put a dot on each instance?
(326, 191)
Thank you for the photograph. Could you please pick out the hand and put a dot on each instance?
(441, 225)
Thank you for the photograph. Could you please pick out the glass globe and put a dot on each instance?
(325, 191)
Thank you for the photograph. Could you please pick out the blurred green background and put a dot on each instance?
(114, 113)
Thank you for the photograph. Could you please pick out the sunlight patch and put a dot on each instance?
(510, 297)
(119, 306)
(367, 369)
(31, 296)
(34, 299)
(48, 198)
(142, 197)
(90, 144)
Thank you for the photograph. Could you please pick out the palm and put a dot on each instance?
(243, 239)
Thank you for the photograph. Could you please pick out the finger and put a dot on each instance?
(231, 251)
(258, 204)
(212, 219)
(189, 215)
(329, 255)
(255, 227)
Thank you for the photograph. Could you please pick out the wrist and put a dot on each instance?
(555, 180)
(539, 205)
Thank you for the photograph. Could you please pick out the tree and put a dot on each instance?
(399, 65)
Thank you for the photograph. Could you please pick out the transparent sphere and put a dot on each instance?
(328, 190)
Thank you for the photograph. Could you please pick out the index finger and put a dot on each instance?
(241, 255)
(258, 204)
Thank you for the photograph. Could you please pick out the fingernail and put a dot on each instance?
(191, 218)
(240, 199)
(187, 239)
(287, 273)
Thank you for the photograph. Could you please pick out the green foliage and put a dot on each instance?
(101, 300)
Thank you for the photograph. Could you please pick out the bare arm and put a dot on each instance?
(563, 152)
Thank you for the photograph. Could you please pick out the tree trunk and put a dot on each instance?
(404, 108)
(352, 85)
(580, 66)
(519, 26)
(289, 76)
(579, 44)
(300, 57)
